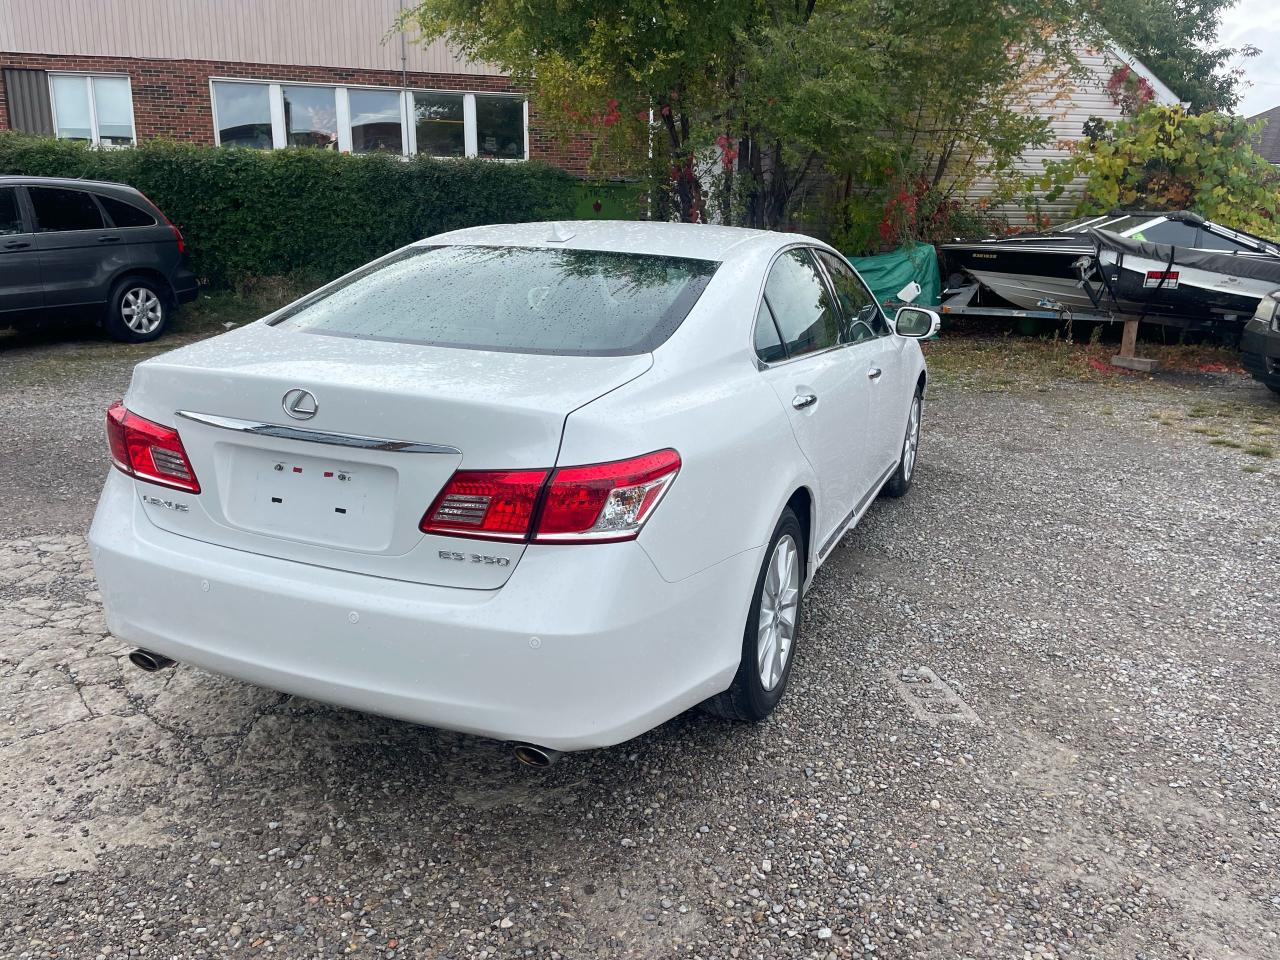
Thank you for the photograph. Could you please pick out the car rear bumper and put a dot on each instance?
(185, 286)
(585, 645)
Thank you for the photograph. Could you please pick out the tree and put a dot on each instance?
(1178, 40)
(1166, 158)
(758, 103)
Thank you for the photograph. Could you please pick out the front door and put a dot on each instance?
(879, 356)
(79, 252)
(19, 261)
(820, 384)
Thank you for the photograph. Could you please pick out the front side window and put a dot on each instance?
(93, 109)
(243, 112)
(59, 209)
(1215, 241)
(801, 303)
(375, 121)
(310, 117)
(862, 317)
(500, 127)
(515, 299)
(10, 214)
(440, 124)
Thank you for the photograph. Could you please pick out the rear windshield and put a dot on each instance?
(516, 299)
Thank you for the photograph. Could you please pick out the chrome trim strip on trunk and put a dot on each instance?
(276, 431)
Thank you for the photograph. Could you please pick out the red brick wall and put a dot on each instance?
(171, 97)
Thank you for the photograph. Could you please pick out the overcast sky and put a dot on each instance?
(1256, 22)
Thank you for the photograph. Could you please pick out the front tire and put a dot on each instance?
(900, 482)
(137, 310)
(772, 629)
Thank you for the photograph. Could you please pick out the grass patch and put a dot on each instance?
(1260, 450)
(1226, 442)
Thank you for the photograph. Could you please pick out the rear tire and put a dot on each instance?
(138, 310)
(772, 629)
(900, 482)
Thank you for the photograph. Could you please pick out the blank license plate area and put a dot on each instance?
(312, 499)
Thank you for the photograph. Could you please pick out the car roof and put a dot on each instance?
(692, 240)
(10, 179)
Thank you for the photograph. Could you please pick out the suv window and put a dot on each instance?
(802, 304)
(769, 346)
(10, 215)
(862, 316)
(59, 209)
(125, 214)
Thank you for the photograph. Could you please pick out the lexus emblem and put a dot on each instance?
(300, 404)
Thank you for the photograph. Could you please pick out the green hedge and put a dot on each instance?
(303, 212)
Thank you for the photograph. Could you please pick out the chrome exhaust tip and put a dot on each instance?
(532, 755)
(148, 661)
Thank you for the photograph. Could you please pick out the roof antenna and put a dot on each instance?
(559, 234)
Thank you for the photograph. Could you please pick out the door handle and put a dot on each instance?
(802, 400)
(17, 244)
(108, 239)
(874, 373)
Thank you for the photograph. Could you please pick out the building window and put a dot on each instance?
(258, 113)
(440, 124)
(94, 109)
(311, 117)
(500, 127)
(242, 115)
(375, 121)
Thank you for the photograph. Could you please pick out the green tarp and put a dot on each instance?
(887, 273)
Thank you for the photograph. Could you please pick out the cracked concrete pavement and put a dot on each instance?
(1098, 588)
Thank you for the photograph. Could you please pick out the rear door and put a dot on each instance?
(823, 389)
(19, 260)
(879, 356)
(80, 252)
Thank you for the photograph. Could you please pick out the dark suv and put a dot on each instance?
(68, 245)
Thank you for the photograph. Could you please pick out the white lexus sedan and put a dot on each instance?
(548, 483)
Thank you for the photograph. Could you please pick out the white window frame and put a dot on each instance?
(87, 76)
(408, 129)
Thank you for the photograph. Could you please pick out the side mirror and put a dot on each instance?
(916, 322)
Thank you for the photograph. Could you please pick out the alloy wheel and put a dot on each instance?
(912, 442)
(779, 605)
(141, 310)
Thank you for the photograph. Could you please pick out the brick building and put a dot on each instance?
(332, 74)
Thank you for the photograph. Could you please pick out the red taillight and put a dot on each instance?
(603, 502)
(486, 504)
(148, 451)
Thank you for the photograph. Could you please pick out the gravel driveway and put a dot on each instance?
(1034, 714)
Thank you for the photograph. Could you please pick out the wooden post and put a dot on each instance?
(1128, 355)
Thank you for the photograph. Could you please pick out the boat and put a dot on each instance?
(1138, 276)
(1058, 266)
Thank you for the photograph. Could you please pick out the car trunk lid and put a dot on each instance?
(372, 433)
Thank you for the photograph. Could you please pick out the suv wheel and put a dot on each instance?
(137, 310)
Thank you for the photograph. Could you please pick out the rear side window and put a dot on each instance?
(124, 214)
(769, 346)
(60, 209)
(10, 215)
(516, 299)
(801, 304)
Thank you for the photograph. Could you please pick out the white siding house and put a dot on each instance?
(1068, 101)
